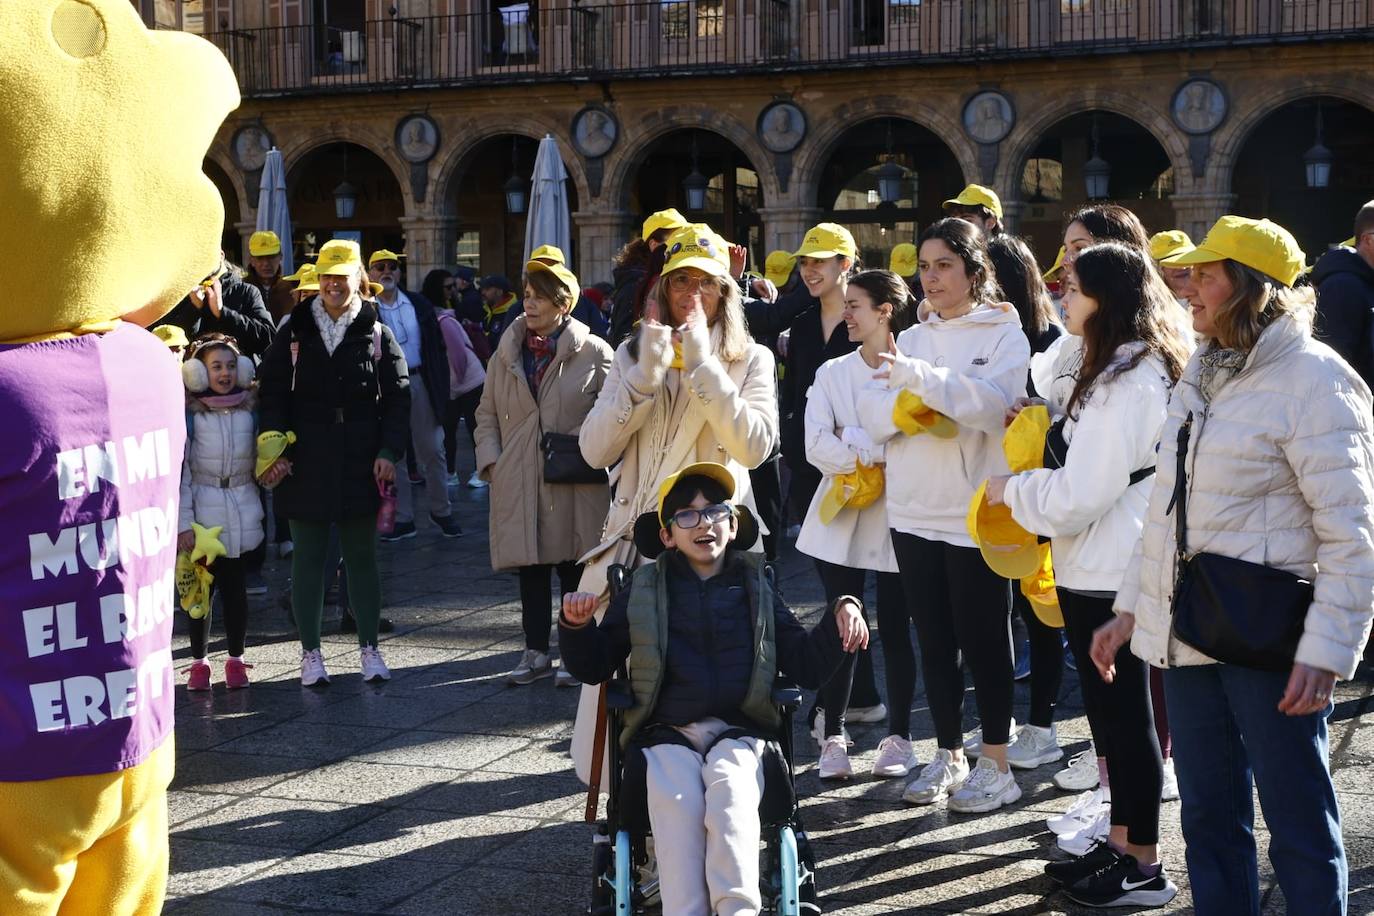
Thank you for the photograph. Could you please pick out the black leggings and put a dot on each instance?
(893, 625)
(1121, 719)
(959, 606)
(1047, 662)
(230, 586)
(766, 482)
(536, 599)
(463, 407)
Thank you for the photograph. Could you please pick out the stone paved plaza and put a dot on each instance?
(447, 792)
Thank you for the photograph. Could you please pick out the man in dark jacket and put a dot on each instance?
(1344, 278)
(413, 321)
(500, 306)
(264, 274)
(227, 306)
(469, 307)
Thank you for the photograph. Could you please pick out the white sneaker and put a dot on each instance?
(562, 677)
(986, 789)
(1081, 813)
(312, 668)
(834, 760)
(1169, 791)
(1081, 773)
(1078, 844)
(941, 776)
(284, 549)
(895, 757)
(476, 483)
(374, 669)
(973, 744)
(818, 730)
(1034, 746)
(863, 714)
(532, 666)
(453, 480)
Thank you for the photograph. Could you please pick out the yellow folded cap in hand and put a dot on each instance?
(858, 489)
(912, 416)
(271, 446)
(1024, 441)
(1039, 590)
(1008, 549)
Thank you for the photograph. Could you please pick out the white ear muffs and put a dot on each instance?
(246, 370)
(195, 376)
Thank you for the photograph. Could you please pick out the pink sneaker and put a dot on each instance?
(200, 675)
(235, 673)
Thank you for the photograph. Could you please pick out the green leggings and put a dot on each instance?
(358, 542)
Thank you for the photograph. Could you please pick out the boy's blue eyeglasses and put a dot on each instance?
(690, 518)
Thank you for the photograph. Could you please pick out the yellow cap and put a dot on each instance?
(1169, 243)
(777, 267)
(307, 281)
(171, 335)
(695, 245)
(549, 253)
(911, 415)
(1257, 243)
(1350, 242)
(902, 260)
(717, 472)
(1024, 440)
(383, 255)
(828, 240)
(1039, 590)
(271, 446)
(338, 258)
(976, 195)
(663, 219)
(1009, 550)
(1057, 266)
(858, 489)
(564, 276)
(264, 244)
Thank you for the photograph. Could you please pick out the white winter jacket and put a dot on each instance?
(835, 441)
(217, 485)
(1089, 508)
(1280, 471)
(970, 369)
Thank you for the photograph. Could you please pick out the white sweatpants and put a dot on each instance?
(429, 459)
(704, 811)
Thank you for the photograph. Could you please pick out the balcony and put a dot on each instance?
(672, 37)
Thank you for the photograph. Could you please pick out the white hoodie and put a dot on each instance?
(970, 369)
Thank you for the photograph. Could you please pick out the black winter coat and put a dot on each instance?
(1345, 308)
(433, 353)
(806, 351)
(627, 280)
(346, 410)
(242, 316)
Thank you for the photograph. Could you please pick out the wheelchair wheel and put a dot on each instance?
(603, 899)
(622, 875)
(788, 902)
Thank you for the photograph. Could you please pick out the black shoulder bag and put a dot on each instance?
(1236, 612)
(563, 461)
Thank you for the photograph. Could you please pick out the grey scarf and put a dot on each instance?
(1219, 365)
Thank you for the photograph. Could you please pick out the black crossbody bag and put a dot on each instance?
(1234, 611)
(563, 461)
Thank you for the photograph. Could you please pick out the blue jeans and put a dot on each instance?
(1228, 734)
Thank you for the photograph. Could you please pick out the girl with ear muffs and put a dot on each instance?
(218, 489)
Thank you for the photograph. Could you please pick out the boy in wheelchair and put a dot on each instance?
(705, 632)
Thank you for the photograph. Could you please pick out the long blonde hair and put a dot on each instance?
(734, 336)
(1256, 301)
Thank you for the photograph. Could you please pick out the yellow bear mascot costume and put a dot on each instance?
(107, 221)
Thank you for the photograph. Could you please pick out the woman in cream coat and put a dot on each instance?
(695, 388)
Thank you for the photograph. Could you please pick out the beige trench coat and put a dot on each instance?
(531, 521)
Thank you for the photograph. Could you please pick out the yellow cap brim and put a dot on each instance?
(705, 265)
(1190, 256)
(836, 497)
(1007, 548)
(822, 253)
(709, 469)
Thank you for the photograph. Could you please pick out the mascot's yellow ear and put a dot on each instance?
(107, 214)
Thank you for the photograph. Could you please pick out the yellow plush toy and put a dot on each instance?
(107, 222)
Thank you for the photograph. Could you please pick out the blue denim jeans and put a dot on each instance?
(1229, 736)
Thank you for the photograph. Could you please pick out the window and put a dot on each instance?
(677, 18)
(468, 251)
(1042, 180)
(904, 12)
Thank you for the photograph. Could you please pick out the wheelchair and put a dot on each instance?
(620, 883)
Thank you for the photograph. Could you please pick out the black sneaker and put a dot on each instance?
(1072, 871)
(402, 531)
(448, 525)
(1123, 884)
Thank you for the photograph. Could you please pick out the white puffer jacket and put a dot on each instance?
(217, 486)
(1089, 508)
(1280, 470)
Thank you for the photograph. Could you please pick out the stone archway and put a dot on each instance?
(314, 172)
(451, 165)
(232, 195)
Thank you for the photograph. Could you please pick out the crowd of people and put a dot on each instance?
(1028, 461)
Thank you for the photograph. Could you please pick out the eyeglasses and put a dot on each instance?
(685, 283)
(691, 518)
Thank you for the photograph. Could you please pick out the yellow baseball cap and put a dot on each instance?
(264, 244)
(1169, 243)
(663, 219)
(1056, 267)
(383, 255)
(777, 267)
(976, 195)
(709, 469)
(858, 489)
(911, 415)
(696, 245)
(564, 276)
(338, 257)
(550, 253)
(1257, 243)
(307, 281)
(1009, 550)
(171, 335)
(902, 260)
(1039, 590)
(828, 240)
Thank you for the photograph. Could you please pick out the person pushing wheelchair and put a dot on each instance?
(705, 632)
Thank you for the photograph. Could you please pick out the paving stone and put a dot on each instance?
(240, 774)
(200, 866)
(310, 741)
(292, 825)
(477, 792)
(338, 883)
(442, 749)
(489, 890)
(431, 836)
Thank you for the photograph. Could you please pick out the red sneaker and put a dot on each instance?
(200, 675)
(235, 674)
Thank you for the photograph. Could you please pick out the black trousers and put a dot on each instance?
(766, 482)
(1047, 662)
(229, 584)
(1121, 718)
(960, 607)
(463, 407)
(894, 628)
(536, 599)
